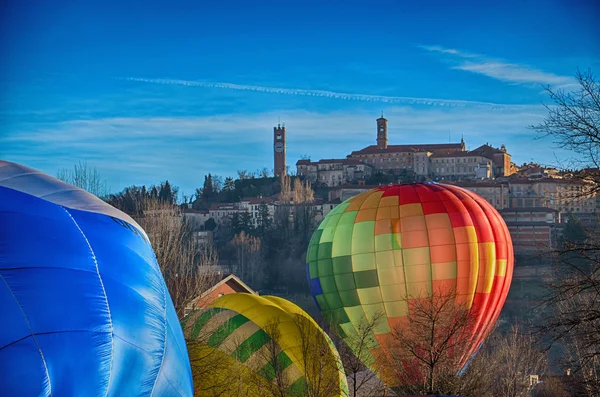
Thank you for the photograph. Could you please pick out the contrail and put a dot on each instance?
(329, 94)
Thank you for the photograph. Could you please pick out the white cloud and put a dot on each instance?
(327, 94)
(146, 150)
(498, 69)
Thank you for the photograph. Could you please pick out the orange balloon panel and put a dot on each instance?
(379, 250)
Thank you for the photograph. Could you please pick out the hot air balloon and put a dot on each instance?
(259, 346)
(84, 310)
(379, 251)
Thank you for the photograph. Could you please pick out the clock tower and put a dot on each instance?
(382, 141)
(279, 149)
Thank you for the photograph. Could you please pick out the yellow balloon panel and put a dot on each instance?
(278, 345)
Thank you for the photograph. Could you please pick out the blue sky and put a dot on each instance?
(146, 90)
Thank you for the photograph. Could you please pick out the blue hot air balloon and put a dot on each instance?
(84, 310)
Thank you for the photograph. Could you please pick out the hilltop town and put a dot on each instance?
(535, 201)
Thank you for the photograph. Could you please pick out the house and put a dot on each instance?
(229, 284)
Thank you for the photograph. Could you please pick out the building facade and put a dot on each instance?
(449, 161)
(497, 194)
(333, 172)
(460, 166)
(560, 194)
(531, 229)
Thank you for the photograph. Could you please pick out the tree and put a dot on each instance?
(286, 190)
(207, 188)
(217, 184)
(427, 350)
(84, 177)
(210, 224)
(355, 350)
(303, 192)
(321, 375)
(229, 184)
(573, 232)
(247, 249)
(188, 268)
(508, 364)
(264, 219)
(261, 366)
(167, 193)
(581, 352)
(574, 123)
(264, 173)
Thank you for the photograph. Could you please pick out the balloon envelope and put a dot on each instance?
(261, 341)
(84, 308)
(379, 250)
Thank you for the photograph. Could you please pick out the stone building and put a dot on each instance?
(436, 161)
(501, 160)
(563, 195)
(497, 194)
(531, 229)
(460, 166)
(333, 172)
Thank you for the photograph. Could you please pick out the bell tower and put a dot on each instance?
(279, 149)
(382, 141)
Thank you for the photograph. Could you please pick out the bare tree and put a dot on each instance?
(286, 190)
(85, 177)
(355, 350)
(574, 123)
(427, 351)
(508, 365)
(577, 324)
(264, 173)
(321, 371)
(303, 192)
(188, 268)
(243, 174)
(574, 298)
(215, 374)
(273, 380)
(247, 250)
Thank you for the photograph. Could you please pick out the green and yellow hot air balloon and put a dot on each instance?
(251, 345)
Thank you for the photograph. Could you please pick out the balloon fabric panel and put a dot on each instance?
(248, 328)
(85, 307)
(397, 243)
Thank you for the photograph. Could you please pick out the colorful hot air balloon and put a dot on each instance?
(84, 310)
(379, 250)
(259, 346)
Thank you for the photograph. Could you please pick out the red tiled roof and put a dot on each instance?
(346, 161)
(373, 149)
(488, 151)
(458, 154)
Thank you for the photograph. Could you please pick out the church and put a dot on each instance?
(440, 161)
